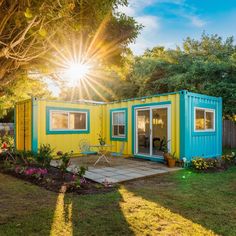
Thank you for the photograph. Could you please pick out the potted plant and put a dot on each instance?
(171, 160)
(164, 148)
(101, 140)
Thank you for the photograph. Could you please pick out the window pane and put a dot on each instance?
(115, 130)
(209, 120)
(121, 130)
(77, 120)
(115, 118)
(199, 119)
(59, 120)
(121, 118)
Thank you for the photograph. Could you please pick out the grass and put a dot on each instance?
(180, 203)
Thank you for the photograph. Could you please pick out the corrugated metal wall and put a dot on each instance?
(99, 122)
(23, 125)
(204, 144)
(175, 128)
(184, 141)
(68, 142)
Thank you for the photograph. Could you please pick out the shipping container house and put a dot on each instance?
(190, 122)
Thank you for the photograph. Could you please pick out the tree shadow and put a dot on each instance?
(27, 209)
(98, 214)
(204, 199)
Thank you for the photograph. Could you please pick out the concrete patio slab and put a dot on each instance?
(118, 170)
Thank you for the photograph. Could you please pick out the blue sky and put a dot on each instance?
(168, 22)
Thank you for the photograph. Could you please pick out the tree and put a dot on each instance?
(204, 66)
(33, 34)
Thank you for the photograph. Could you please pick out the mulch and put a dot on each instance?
(55, 181)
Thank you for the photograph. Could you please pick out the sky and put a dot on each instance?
(168, 22)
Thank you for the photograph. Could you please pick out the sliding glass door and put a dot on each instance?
(159, 130)
(152, 128)
(143, 131)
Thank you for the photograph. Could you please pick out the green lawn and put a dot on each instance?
(181, 203)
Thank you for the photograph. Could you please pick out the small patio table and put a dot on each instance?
(102, 152)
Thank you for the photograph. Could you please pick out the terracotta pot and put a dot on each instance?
(171, 162)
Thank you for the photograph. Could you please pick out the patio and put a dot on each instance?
(119, 169)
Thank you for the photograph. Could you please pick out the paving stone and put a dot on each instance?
(121, 171)
(107, 173)
(99, 170)
(108, 168)
(120, 178)
(135, 175)
(92, 176)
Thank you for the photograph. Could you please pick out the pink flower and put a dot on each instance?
(17, 169)
(35, 171)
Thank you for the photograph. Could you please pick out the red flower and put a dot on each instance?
(4, 146)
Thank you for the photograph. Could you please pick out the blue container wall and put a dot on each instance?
(203, 144)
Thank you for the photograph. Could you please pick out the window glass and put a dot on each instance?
(77, 120)
(62, 120)
(115, 118)
(209, 120)
(121, 130)
(115, 130)
(121, 118)
(200, 121)
(118, 124)
(59, 120)
(204, 119)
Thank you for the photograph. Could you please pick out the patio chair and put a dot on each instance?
(85, 148)
(120, 153)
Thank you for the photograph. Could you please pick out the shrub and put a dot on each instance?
(7, 141)
(65, 160)
(229, 158)
(81, 180)
(44, 155)
(82, 171)
(25, 157)
(200, 163)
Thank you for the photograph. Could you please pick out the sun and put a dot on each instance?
(77, 71)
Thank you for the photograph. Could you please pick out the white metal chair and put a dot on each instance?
(85, 148)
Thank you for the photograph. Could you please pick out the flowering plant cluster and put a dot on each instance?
(31, 171)
(200, 163)
(229, 157)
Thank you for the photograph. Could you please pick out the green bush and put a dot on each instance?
(65, 160)
(8, 140)
(44, 155)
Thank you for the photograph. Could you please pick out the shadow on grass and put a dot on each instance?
(30, 210)
(183, 203)
(204, 199)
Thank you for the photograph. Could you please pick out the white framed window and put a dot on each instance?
(68, 120)
(204, 119)
(118, 124)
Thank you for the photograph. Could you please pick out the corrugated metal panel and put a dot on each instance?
(173, 98)
(204, 144)
(68, 142)
(100, 122)
(23, 116)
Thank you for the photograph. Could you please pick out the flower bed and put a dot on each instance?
(201, 164)
(35, 168)
(51, 178)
